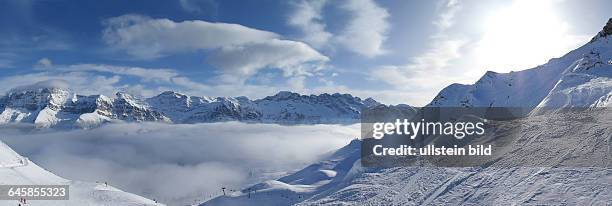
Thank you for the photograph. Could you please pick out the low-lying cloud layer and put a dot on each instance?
(177, 163)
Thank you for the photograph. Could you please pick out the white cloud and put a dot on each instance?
(238, 52)
(416, 77)
(367, 30)
(517, 37)
(146, 74)
(447, 18)
(307, 17)
(43, 63)
(89, 79)
(80, 82)
(144, 37)
(364, 34)
(7, 59)
(293, 58)
(178, 163)
(524, 35)
(50, 83)
(198, 6)
(296, 83)
(419, 73)
(189, 84)
(6, 63)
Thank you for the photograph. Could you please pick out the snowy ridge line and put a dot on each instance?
(580, 78)
(9, 158)
(13, 172)
(57, 107)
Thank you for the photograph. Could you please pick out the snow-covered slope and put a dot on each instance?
(341, 180)
(311, 181)
(18, 170)
(57, 107)
(581, 78)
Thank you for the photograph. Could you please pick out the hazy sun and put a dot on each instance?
(524, 35)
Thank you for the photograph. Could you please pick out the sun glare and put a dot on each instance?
(522, 36)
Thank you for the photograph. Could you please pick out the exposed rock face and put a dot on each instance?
(605, 32)
(38, 99)
(284, 107)
(51, 107)
(126, 107)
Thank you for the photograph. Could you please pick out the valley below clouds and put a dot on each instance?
(180, 163)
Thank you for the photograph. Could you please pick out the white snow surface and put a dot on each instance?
(340, 179)
(18, 170)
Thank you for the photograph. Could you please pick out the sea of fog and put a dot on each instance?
(180, 163)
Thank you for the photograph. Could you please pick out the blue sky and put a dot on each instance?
(394, 51)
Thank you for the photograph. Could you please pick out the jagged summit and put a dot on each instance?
(283, 95)
(47, 86)
(605, 32)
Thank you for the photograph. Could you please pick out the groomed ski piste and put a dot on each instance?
(18, 170)
(340, 179)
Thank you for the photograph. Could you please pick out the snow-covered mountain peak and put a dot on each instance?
(283, 95)
(369, 102)
(48, 85)
(37, 98)
(605, 32)
(172, 94)
(126, 97)
(580, 78)
(325, 97)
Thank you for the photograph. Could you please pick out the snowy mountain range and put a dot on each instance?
(18, 170)
(582, 78)
(47, 107)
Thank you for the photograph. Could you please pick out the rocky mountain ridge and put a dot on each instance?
(57, 107)
(580, 78)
